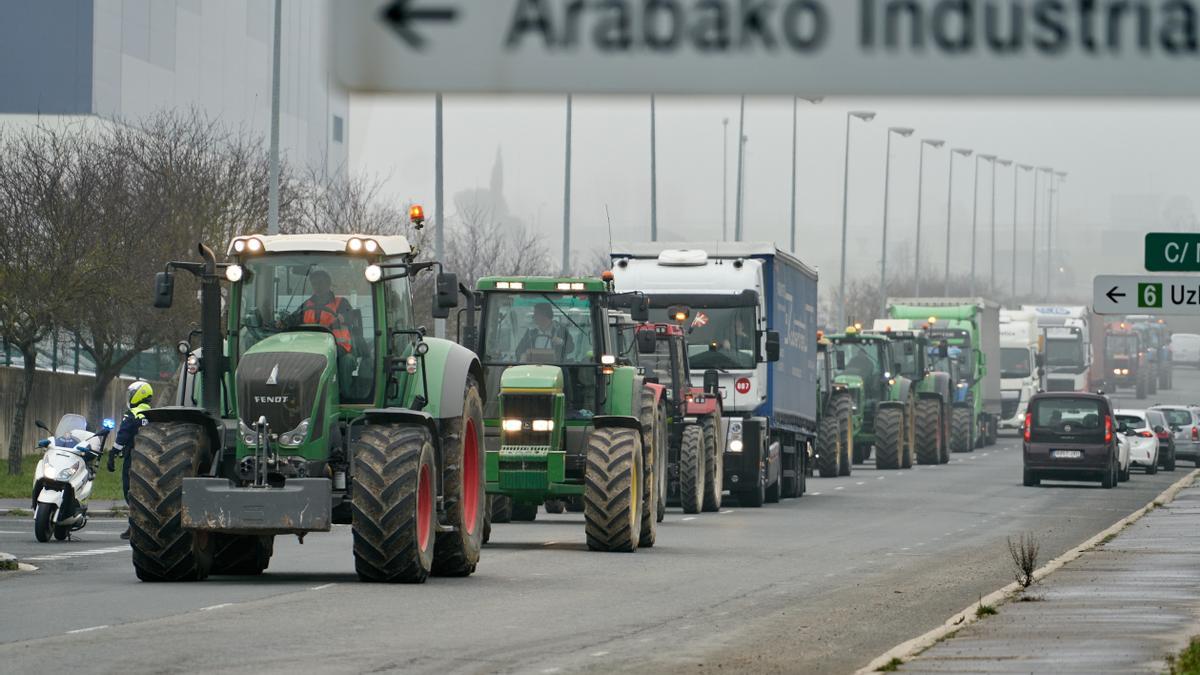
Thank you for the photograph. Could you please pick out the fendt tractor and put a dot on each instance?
(322, 402)
(564, 419)
(836, 409)
(934, 388)
(972, 325)
(753, 328)
(886, 400)
(695, 435)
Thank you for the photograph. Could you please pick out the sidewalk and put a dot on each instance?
(101, 508)
(1121, 607)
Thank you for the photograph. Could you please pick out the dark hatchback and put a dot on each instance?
(1070, 436)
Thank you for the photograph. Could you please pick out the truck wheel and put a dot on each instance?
(502, 508)
(844, 408)
(889, 440)
(165, 453)
(960, 429)
(829, 447)
(691, 469)
(613, 492)
(456, 553)
(43, 522)
(242, 555)
(523, 512)
(755, 496)
(714, 471)
(394, 503)
(554, 506)
(929, 428)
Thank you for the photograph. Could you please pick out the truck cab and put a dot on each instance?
(1067, 346)
(1021, 368)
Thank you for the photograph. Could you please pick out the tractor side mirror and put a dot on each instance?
(840, 360)
(647, 343)
(445, 295)
(712, 382)
(164, 290)
(639, 309)
(772, 346)
(41, 425)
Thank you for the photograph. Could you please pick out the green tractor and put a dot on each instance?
(320, 402)
(911, 345)
(886, 399)
(568, 422)
(838, 410)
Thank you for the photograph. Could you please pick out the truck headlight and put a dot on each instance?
(1116, 371)
(735, 445)
(543, 425)
(512, 425)
(295, 436)
(1124, 371)
(735, 428)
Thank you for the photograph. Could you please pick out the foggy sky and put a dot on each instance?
(1109, 147)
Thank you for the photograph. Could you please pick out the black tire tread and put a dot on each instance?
(691, 469)
(960, 429)
(889, 441)
(613, 457)
(928, 428)
(456, 553)
(387, 461)
(714, 451)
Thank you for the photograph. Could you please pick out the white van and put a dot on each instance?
(1185, 349)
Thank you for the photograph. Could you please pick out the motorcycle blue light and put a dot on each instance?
(108, 423)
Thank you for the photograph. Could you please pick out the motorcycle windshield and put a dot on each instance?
(70, 422)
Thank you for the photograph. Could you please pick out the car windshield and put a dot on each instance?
(1014, 362)
(718, 337)
(1176, 417)
(546, 328)
(1120, 345)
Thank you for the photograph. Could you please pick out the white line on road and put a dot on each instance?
(726, 511)
(880, 477)
(860, 483)
(689, 518)
(550, 543)
(840, 487)
(599, 653)
(212, 607)
(86, 630)
(322, 587)
(79, 554)
(816, 494)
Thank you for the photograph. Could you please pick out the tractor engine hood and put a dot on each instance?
(280, 378)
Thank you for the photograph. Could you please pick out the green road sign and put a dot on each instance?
(1146, 294)
(1172, 252)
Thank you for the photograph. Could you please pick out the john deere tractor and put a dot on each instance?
(934, 388)
(838, 413)
(320, 402)
(886, 399)
(567, 420)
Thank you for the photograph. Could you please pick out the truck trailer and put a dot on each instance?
(752, 331)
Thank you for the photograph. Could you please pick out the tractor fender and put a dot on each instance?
(213, 429)
(448, 366)
(621, 421)
(659, 390)
(403, 416)
(703, 404)
(903, 388)
(941, 384)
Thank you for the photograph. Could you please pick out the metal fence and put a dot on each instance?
(62, 353)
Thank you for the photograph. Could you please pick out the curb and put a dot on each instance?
(7, 513)
(910, 648)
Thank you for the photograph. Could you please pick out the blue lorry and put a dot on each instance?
(750, 311)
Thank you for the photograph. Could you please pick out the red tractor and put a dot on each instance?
(695, 434)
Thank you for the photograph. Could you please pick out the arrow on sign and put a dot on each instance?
(400, 17)
(1113, 294)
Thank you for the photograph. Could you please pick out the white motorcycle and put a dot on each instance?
(64, 477)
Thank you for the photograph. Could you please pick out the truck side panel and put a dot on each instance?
(792, 310)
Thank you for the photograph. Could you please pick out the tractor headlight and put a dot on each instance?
(543, 425)
(1116, 371)
(512, 425)
(373, 273)
(1124, 371)
(234, 273)
(295, 436)
(735, 445)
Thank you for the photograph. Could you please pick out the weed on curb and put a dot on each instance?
(890, 666)
(1187, 662)
(985, 610)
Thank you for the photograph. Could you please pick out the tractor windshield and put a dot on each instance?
(908, 358)
(1120, 345)
(304, 291)
(718, 337)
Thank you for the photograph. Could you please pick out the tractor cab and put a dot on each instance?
(868, 362)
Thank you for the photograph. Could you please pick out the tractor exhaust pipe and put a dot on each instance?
(210, 329)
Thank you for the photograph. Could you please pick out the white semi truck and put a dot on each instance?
(1021, 368)
(1067, 346)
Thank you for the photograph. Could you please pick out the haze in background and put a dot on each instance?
(1131, 169)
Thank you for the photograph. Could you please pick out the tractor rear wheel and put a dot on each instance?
(523, 512)
(929, 431)
(944, 458)
(613, 492)
(889, 437)
(165, 453)
(502, 508)
(960, 429)
(394, 503)
(242, 555)
(554, 506)
(829, 445)
(691, 469)
(653, 417)
(843, 407)
(456, 553)
(714, 469)
(653, 478)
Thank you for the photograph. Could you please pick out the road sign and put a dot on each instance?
(1146, 294)
(1172, 252)
(788, 47)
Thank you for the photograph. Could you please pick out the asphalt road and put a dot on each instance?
(819, 584)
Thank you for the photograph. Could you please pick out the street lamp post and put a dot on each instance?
(1056, 181)
(933, 143)
(992, 268)
(949, 211)
(975, 214)
(653, 170)
(725, 180)
(795, 103)
(566, 249)
(737, 216)
(1022, 167)
(1033, 239)
(865, 116)
(887, 172)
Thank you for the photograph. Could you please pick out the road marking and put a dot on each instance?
(212, 607)
(727, 511)
(86, 630)
(80, 554)
(900, 473)
(550, 543)
(840, 487)
(985, 454)
(322, 587)
(906, 548)
(689, 518)
(816, 494)
(599, 653)
(860, 483)
(880, 477)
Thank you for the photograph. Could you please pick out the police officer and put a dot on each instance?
(139, 395)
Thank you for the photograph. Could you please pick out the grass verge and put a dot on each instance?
(1187, 662)
(107, 486)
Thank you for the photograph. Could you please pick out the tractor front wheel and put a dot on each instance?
(691, 469)
(829, 446)
(456, 552)
(653, 478)
(889, 437)
(714, 469)
(929, 431)
(165, 453)
(613, 492)
(502, 508)
(394, 504)
(960, 429)
(524, 512)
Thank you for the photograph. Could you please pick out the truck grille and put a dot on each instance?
(295, 379)
(526, 407)
(1009, 408)
(1060, 384)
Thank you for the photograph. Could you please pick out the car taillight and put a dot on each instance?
(1108, 427)
(1195, 434)
(1028, 426)
(1146, 434)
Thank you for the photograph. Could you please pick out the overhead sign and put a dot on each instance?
(804, 47)
(1172, 252)
(1146, 294)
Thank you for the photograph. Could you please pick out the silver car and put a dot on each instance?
(1138, 440)
(1183, 431)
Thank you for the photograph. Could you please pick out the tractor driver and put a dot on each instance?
(545, 334)
(323, 308)
(862, 365)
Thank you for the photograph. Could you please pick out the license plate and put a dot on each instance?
(1066, 454)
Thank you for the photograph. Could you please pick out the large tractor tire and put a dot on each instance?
(555, 506)
(523, 512)
(843, 407)
(714, 463)
(961, 424)
(946, 415)
(909, 450)
(1152, 383)
(653, 417)
(394, 503)
(889, 437)
(613, 493)
(829, 445)
(242, 555)
(502, 508)
(691, 469)
(456, 553)
(1140, 387)
(654, 479)
(165, 453)
(929, 431)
